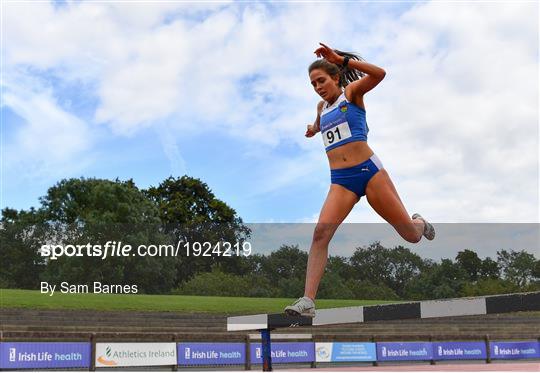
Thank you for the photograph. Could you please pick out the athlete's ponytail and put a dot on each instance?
(346, 74)
(350, 75)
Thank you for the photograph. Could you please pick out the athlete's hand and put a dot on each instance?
(311, 131)
(328, 54)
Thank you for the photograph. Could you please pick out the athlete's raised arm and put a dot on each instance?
(373, 74)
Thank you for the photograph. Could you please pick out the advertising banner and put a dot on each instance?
(211, 353)
(285, 352)
(515, 350)
(34, 355)
(135, 354)
(459, 350)
(404, 351)
(345, 351)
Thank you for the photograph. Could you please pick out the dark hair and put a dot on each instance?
(346, 74)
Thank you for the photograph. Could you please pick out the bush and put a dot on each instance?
(219, 283)
(332, 286)
(367, 290)
(260, 287)
(215, 283)
(489, 286)
(444, 280)
(290, 287)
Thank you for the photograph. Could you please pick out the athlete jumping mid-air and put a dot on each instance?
(342, 79)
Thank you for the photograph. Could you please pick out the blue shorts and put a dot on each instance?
(356, 178)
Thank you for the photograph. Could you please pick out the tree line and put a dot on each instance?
(81, 211)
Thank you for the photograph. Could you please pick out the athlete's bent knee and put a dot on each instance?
(415, 239)
(411, 237)
(323, 233)
(408, 232)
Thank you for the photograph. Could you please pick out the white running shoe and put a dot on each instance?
(301, 307)
(429, 231)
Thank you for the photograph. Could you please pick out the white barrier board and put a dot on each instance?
(135, 354)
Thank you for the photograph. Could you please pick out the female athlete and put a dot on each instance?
(342, 79)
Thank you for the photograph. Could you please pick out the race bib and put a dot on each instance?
(336, 134)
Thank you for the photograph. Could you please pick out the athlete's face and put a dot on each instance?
(324, 84)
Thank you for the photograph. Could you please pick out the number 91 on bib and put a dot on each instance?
(336, 134)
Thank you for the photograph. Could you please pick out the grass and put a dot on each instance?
(33, 299)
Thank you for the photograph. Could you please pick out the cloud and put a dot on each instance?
(45, 146)
(188, 67)
(172, 151)
(454, 122)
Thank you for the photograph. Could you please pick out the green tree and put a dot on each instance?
(489, 286)
(292, 287)
(332, 286)
(391, 267)
(191, 213)
(371, 263)
(218, 283)
(21, 235)
(95, 211)
(367, 290)
(340, 266)
(536, 270)
(404, 265)
(286, 263)
(516, 266)
(470, 262)
(489, 269)
(444, 280)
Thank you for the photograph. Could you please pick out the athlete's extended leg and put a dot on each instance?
(383, 197)
(337, 206)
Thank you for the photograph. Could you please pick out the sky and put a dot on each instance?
(220, 92)
(485, 239)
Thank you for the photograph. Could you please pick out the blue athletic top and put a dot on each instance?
(342, 122)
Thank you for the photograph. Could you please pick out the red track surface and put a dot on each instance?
(493, 367)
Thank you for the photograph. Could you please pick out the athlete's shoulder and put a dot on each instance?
(349, 93)
(320, 106)
(357, 100)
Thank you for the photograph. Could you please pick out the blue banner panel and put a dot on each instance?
(391, 351)
(459, 350)
(21, 355)
(515, 350)
(345, 351)
(211, 353)
(285, 352)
